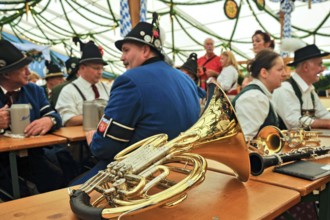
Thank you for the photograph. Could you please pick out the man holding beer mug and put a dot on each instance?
(16, 89)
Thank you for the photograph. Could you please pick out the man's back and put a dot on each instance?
(152, 99)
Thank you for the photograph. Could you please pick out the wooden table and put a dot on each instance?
(73, 133)
(304, 187)
(220, 196)
(14, 145)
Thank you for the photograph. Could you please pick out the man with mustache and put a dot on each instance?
(297, 103)
(150, 98)
(15, 88)
(87, 87)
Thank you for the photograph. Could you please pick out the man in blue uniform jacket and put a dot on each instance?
(151, 97)
(15, 89)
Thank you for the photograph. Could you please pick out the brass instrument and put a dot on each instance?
(271, 140)
(146, 174)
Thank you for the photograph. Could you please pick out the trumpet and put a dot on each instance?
(146, 174)
(271, 140)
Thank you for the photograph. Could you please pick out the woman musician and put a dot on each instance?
(253, 105)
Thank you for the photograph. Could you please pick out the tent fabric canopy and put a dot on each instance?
(186, 24)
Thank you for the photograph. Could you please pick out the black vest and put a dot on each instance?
(304, 112)
(271, 118)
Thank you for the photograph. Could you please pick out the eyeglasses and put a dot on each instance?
(96, 68)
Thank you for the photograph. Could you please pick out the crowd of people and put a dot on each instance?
(151, 97)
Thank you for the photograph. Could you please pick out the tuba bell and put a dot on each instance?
(157, 172)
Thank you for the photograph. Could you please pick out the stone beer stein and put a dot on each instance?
(92, 113)
(19, 118)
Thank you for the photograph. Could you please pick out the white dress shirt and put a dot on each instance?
(252, 109)
(228, 78)
(70, 102)
(288, 105)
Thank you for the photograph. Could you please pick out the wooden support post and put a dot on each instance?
(282, 22)
(134, 11)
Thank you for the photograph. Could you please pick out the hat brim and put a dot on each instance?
(19, 64)
(119, 44)
(93, 60)
(54, 75)
(294, 63)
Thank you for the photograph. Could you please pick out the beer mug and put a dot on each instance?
(92, 113)
(101, 103)
(19, 118)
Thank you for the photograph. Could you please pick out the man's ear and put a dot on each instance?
(6, 75)
(305, 65)
(146, 51)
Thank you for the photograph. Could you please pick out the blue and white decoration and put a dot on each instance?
(125, 21)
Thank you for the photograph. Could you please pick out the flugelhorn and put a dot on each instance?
(271, 140)
(156, 172)
(259, 162)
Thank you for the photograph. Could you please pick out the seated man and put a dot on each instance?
(16, 89)
(54, 76)
(71, 65)
(86, 87)
(150, 98)
(298, 105)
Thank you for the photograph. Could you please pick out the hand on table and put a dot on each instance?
(39, 127)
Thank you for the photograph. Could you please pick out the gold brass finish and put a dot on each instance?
(270, 140)
(146, 174)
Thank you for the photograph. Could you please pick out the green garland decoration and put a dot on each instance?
(116, 65)
(112, 14)
(236, 22)
(67, 19)
(190, 3)
(46, 23)
(22, 33)
(88, 19)
(85, 8)
(44, 9)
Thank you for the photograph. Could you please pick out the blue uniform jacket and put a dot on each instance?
(35, 95)
(151, 99)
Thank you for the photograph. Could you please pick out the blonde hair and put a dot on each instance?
(231, 60)
(34, 77)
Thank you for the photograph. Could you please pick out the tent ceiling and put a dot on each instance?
(56, 22)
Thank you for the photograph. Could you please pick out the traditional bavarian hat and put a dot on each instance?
(71, 65)
(11, 58)
(90, 52)
(145, 33)
(52, 70)
(306, 53)
(191, 64)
